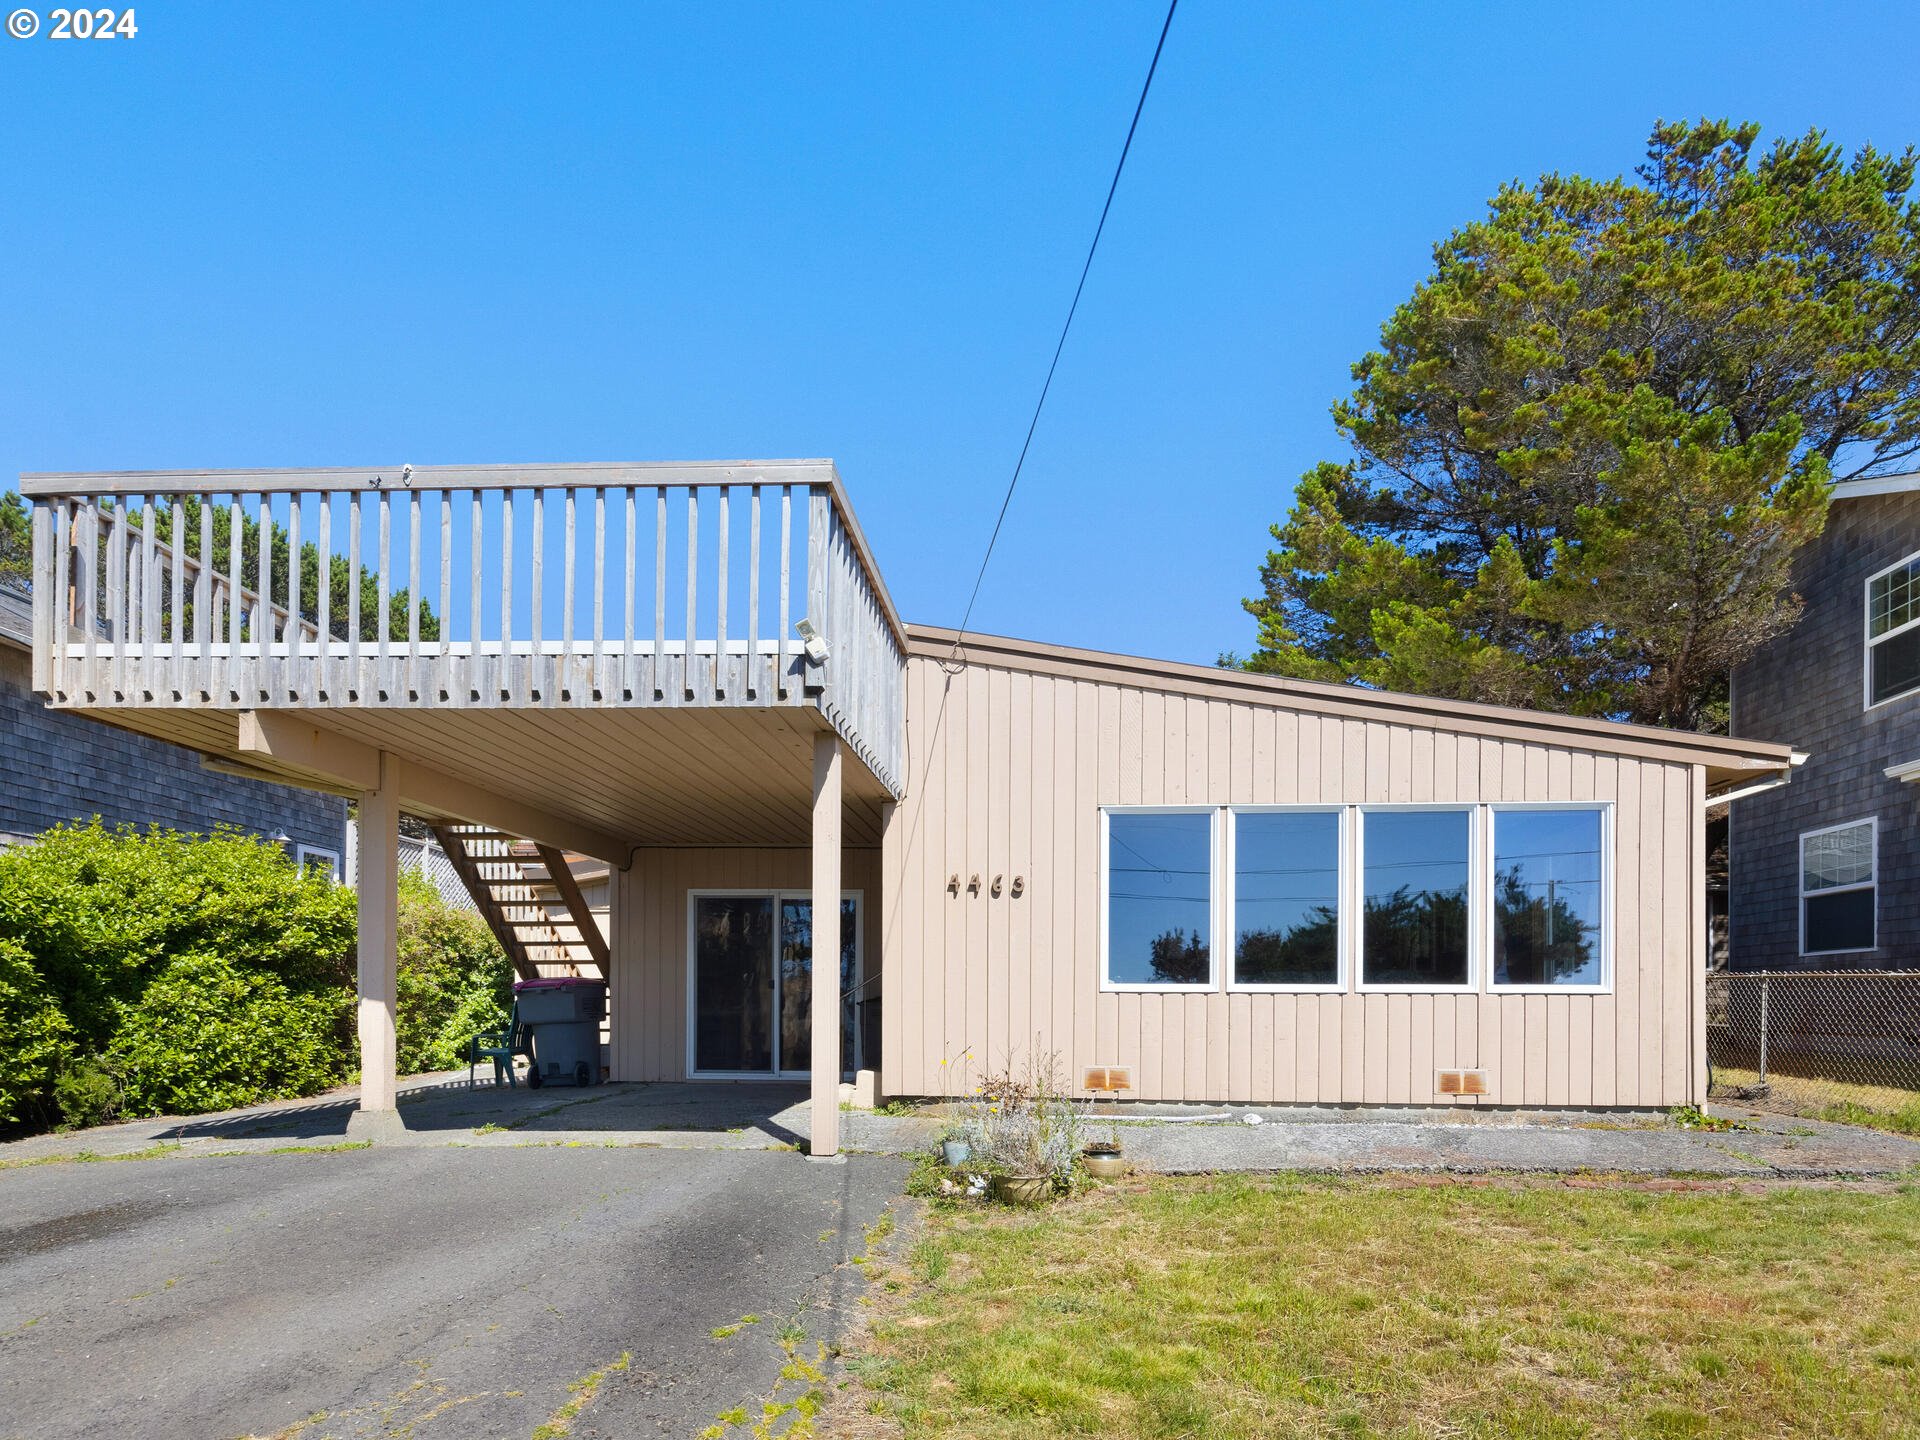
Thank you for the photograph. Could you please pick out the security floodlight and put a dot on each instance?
(812, 639)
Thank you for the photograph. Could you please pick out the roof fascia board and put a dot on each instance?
(1719, 753)
(1876, 485)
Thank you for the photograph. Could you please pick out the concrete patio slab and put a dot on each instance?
(1763, 1146)
(443, 1110)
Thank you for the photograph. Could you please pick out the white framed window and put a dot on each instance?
(311, 858)
(1447, 898)
(1287, 923)
(1839, 875)
(1893, 632)
(1550, 898)
(1416, 897)
(1159, 890)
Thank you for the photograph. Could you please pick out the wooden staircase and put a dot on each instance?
(527, 893)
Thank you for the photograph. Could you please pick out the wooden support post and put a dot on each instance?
(378, 1117)
(825, 1127)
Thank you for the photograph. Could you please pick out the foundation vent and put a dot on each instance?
(1460, 1082)
(1109, 1078)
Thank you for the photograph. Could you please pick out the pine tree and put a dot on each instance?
(1594, 438)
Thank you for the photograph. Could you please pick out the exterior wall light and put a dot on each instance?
(810, 637)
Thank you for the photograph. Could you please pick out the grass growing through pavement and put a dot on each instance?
(581, 1392)
(1235, 1306)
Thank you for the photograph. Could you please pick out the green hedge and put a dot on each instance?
(454, 979)
(150, 972)
(34, 1036)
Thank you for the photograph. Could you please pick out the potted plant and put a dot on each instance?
(1027, 1134)
(1102, 1157)
(956, 1146)
(961, 1134)
(1021, 1174)
(1033, 1189)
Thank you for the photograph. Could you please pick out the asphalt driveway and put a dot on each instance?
(428, 1292)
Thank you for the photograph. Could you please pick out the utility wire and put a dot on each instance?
(1034, 424)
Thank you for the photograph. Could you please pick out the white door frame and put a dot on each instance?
(776, 896)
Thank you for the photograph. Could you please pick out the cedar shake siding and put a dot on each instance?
(1808, 690)
(59, 766)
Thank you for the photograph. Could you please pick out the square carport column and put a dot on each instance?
(824, 1130)
(378, 1116)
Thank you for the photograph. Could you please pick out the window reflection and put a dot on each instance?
(1159, 907)
(1286, 907)
(1414, 886)
(1546, 897)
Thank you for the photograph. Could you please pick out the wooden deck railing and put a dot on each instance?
(469, 588)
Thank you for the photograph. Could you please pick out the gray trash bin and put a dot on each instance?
(563, 1016)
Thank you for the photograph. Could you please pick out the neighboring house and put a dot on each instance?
(1230, 887)
(57, 766)
(1824, 872)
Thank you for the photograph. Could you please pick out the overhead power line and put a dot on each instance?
(1040, 405)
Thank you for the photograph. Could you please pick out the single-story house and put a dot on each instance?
(1207, 885)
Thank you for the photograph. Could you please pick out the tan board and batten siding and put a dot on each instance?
(648, 995)
(1013, 752)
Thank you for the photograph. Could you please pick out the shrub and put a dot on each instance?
(1023, 1123)
(87, 1092)
(146, 972)
(103, 911)
(211, 1034)
(454, 979)
(35, 1038)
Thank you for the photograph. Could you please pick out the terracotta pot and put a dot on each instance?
(1104, 1164)
(1022, 1189)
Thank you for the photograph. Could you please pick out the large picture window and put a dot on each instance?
(1286, 897)
(1893, 631)
(1415, 874)
(1159, 930)
(1548, 897)
(1337, 898)
(1837, 889)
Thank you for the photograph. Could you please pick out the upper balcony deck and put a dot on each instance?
(471, 588)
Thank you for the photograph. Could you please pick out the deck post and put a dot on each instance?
(825, 1107)
(378, 1115)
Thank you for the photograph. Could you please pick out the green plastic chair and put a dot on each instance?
(500, 1046)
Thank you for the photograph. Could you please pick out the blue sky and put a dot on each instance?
(360, 233)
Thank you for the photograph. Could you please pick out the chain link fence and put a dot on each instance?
(1824, 1044)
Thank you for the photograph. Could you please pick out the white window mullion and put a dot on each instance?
(1352, 898)
(1224, 928)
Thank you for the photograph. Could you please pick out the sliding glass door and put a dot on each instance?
(751, 994)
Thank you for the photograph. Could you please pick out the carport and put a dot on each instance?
(520, 682)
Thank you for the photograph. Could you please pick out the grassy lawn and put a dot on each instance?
(1880, 1107)
(1236, 1306)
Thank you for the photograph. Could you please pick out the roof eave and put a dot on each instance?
(1725, 758)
